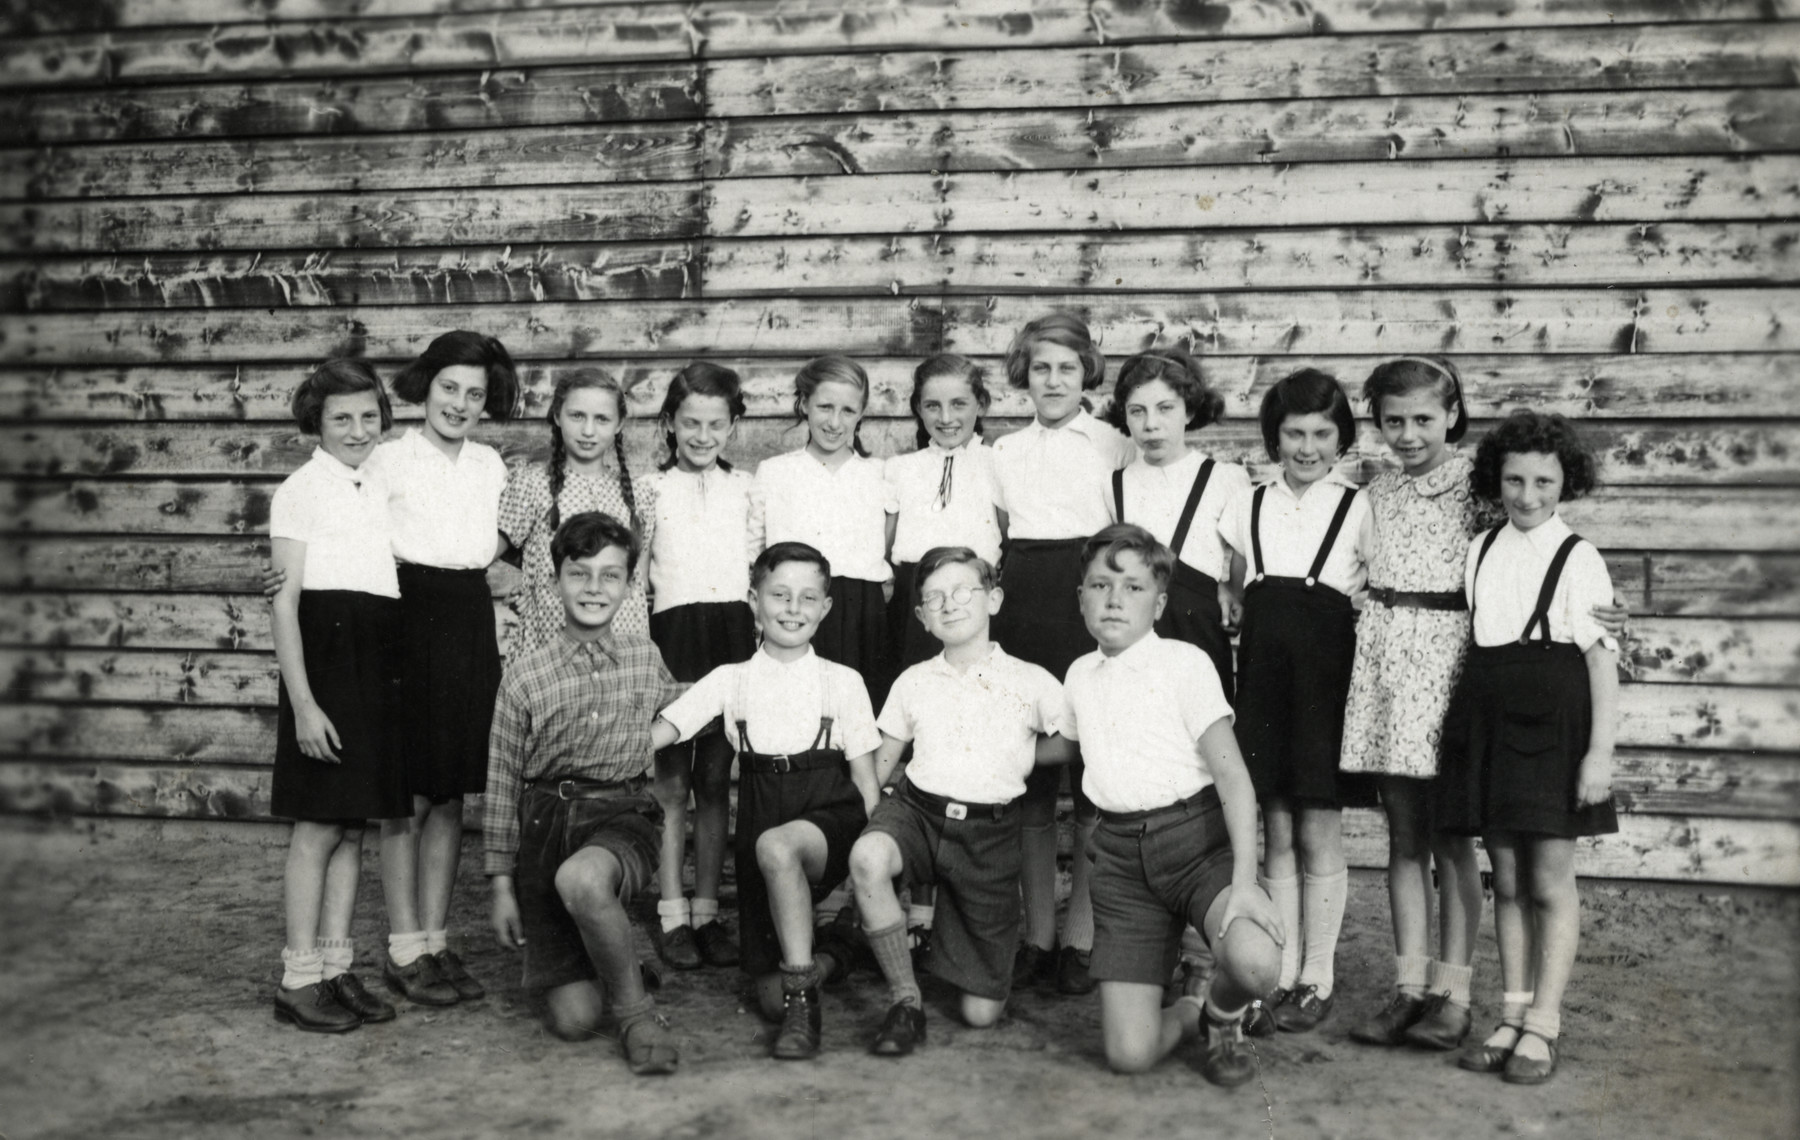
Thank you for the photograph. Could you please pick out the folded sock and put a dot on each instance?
(301, 968)
(1219, 1013)
(1322, 900)
(437, 941)
(1286, 895)
(1452, 982)
(921, 916)
(340, 954)
(1411, 973)
(405, 949)
(673, 913)
(893, 954)
(1513, 1004)
(1546, 1023)
(704, 910)
(794, 979)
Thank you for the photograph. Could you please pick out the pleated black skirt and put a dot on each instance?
(1040, 619)
(352, 645)
(449, 674)
(695, 639)
(1193, 616)
(855, 633)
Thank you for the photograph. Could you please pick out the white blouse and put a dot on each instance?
(446, 511)
(1055, 482)
(701, 548)
(1293, 527)
(928, 519)
(781, 704)
(341, 514)
(1505, 593)
(841, 513)
(1155, 497)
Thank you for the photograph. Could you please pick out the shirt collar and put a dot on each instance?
(983, 667)
(1546, 536)
(337, 468)
(607, 643)
(1333, 477)
(415, 439)
(1138, 657)
(1450, 473)
(1181, 471)
(1081, 423)
(763, 660)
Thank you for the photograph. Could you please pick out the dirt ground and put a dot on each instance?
(137, 960)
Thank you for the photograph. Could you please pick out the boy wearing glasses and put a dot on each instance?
(979, 720)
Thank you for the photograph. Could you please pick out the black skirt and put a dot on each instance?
(908, 634)
(1040, 618)
(352, 645)
(697, 638)
(449, 674)
(1193, 616)
(855, 633)
(1514, 739)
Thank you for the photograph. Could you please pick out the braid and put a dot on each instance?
(625, 477)
(556, 475)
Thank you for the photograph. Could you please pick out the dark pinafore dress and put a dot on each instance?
(1518, 729)
(1295, 653)
(1193, 613)
(773, 790)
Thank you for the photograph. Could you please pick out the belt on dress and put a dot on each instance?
(1419, 599)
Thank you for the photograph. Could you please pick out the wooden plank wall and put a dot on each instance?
(1593, 205)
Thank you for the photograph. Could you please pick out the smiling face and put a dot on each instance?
(589, 419)
(1157, 417)
(593, 587)
(964, 607)
(832, 413)
(1053, 379)
(455, 400)
(1307, 447)
(1415, 425)
(790, 602)
(1531, 484)
(948, 406)
(702, 426)
(350, 427)
(1120, 606)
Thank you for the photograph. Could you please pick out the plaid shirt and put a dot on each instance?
(569, 709)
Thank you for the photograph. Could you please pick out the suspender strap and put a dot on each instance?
(823, 737)
(1193, 504)
(1331, 536)
(1119, 493)
(1256, 558)
(1541, 615)
(1480, 557)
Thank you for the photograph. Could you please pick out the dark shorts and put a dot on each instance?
(974, 862)
(1154, 877)
(551, 830)
(823, 797)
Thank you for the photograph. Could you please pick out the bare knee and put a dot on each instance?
(1250, 957)
(980, 1012)
(775, 853)
(1131, 1052)
(871, 860)
(588, 882)
(573, 1012)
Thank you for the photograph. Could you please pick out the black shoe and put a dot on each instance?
(1072, 972)
(1389, 1026)
(801, 1028)
(717, 946)
(353, 996)
(1226, 1062)
(649, 1046)
(901, 1032)
(679, 949)
(1031, 965)
(1303, 1010)
(419, 983)
(1441, 1025)
(1260, 1020)
(453, 971)
(315, 1009)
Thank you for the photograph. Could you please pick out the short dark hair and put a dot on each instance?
(1181, 372)
(588, 533)
(1405, 375)
(464, 347)
(1129, 538)
(781, 554)
(939, 557)
(342, 376)
(1059, 327)
(1535, 433)
(1304, 393)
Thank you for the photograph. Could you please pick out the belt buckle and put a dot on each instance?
(957, 811)
(783, 763)
(562, 789)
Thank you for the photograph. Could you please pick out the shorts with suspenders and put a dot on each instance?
(1295, 653)
(773, 790)
(1193, 613)
(1518, 729)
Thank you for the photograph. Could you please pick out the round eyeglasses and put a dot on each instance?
(937, 599)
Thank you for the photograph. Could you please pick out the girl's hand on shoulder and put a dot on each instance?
(273, 578)
(1594, 785)
(317, 735)
(1249, 901)
(1613, 618)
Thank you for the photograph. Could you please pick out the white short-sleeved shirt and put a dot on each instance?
(974, 731)
(841, 513)
(446, 511)
(341, 514)
(1506, 592)
(781, 704)
(1056, 482)
(1156, 496)
(1139, 717)
(967, 519)
(701, 551)
(1293, 528)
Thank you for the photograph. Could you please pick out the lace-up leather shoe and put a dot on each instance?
(315, 1009)
(355, 997)
(901, 1032)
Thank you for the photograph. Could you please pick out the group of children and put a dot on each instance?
(1052, 609)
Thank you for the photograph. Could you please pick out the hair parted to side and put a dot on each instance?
(824, 370)
(1129, 538)
(341, 376)
(464, 347)
(1058, 327)
(701, 378)
(588, 533)
(1180, 371)
(939, 557)
(781, 554)
(948, 364)
(1304, 393)
(1534, 433)
(575, 381)
(1405, 375)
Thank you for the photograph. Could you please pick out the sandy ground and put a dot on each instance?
(137, 960)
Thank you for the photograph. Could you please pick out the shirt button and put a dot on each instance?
(595, 676)
(594, 716)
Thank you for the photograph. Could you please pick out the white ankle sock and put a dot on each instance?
(674, 913)
(405, 949)
(1514, 1003)
(340, 954)
(1323, 898)
(1545, 1023)
(437, 941)
(1452, 981)
(301, 968)
(1286, 896)
(920, 916)
(1411, 972)
(703, 910)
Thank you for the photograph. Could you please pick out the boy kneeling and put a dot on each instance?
(569, 809)
(1176, 842)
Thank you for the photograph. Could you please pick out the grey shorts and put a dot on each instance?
(1155, 873)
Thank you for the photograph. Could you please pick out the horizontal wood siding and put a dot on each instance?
(1593, 207)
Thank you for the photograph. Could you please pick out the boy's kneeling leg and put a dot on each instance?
(573, 1011)
(980, 1012)
(1247, 963)
(588, 883)
(1136, 1030)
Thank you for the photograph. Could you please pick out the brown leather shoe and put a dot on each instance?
(353, 996)
(1072, 975)
(1303, 1010)
(1389, 1026)
(678, 948)
(717, 947)
(1480, 1057)
(419, 983)
(1227, 1061)
(1260, 1020)
(1529, 1070)
(1441, 1025)
(901, 1032)
(453, 971)
(649, 1046)
(315, 1009)
(801, 1026)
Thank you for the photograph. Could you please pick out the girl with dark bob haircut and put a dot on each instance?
(340, 377)
(1181, 372)
(464, 347)
(1405, 375)
(1304, 393)
(1535, 433)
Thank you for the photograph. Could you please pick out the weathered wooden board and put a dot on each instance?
(139, 677)
(42, 17)
(186, 791)
(1680, 650)
(136, 621)
(1701, 584)
(136, 564)
(1737, 385)
(188, 735)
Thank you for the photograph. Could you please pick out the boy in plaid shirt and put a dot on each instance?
(571, 829)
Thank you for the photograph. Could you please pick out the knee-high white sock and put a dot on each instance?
(1322, 899)
(301, 968)
(1286, 895)
(340, 954)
